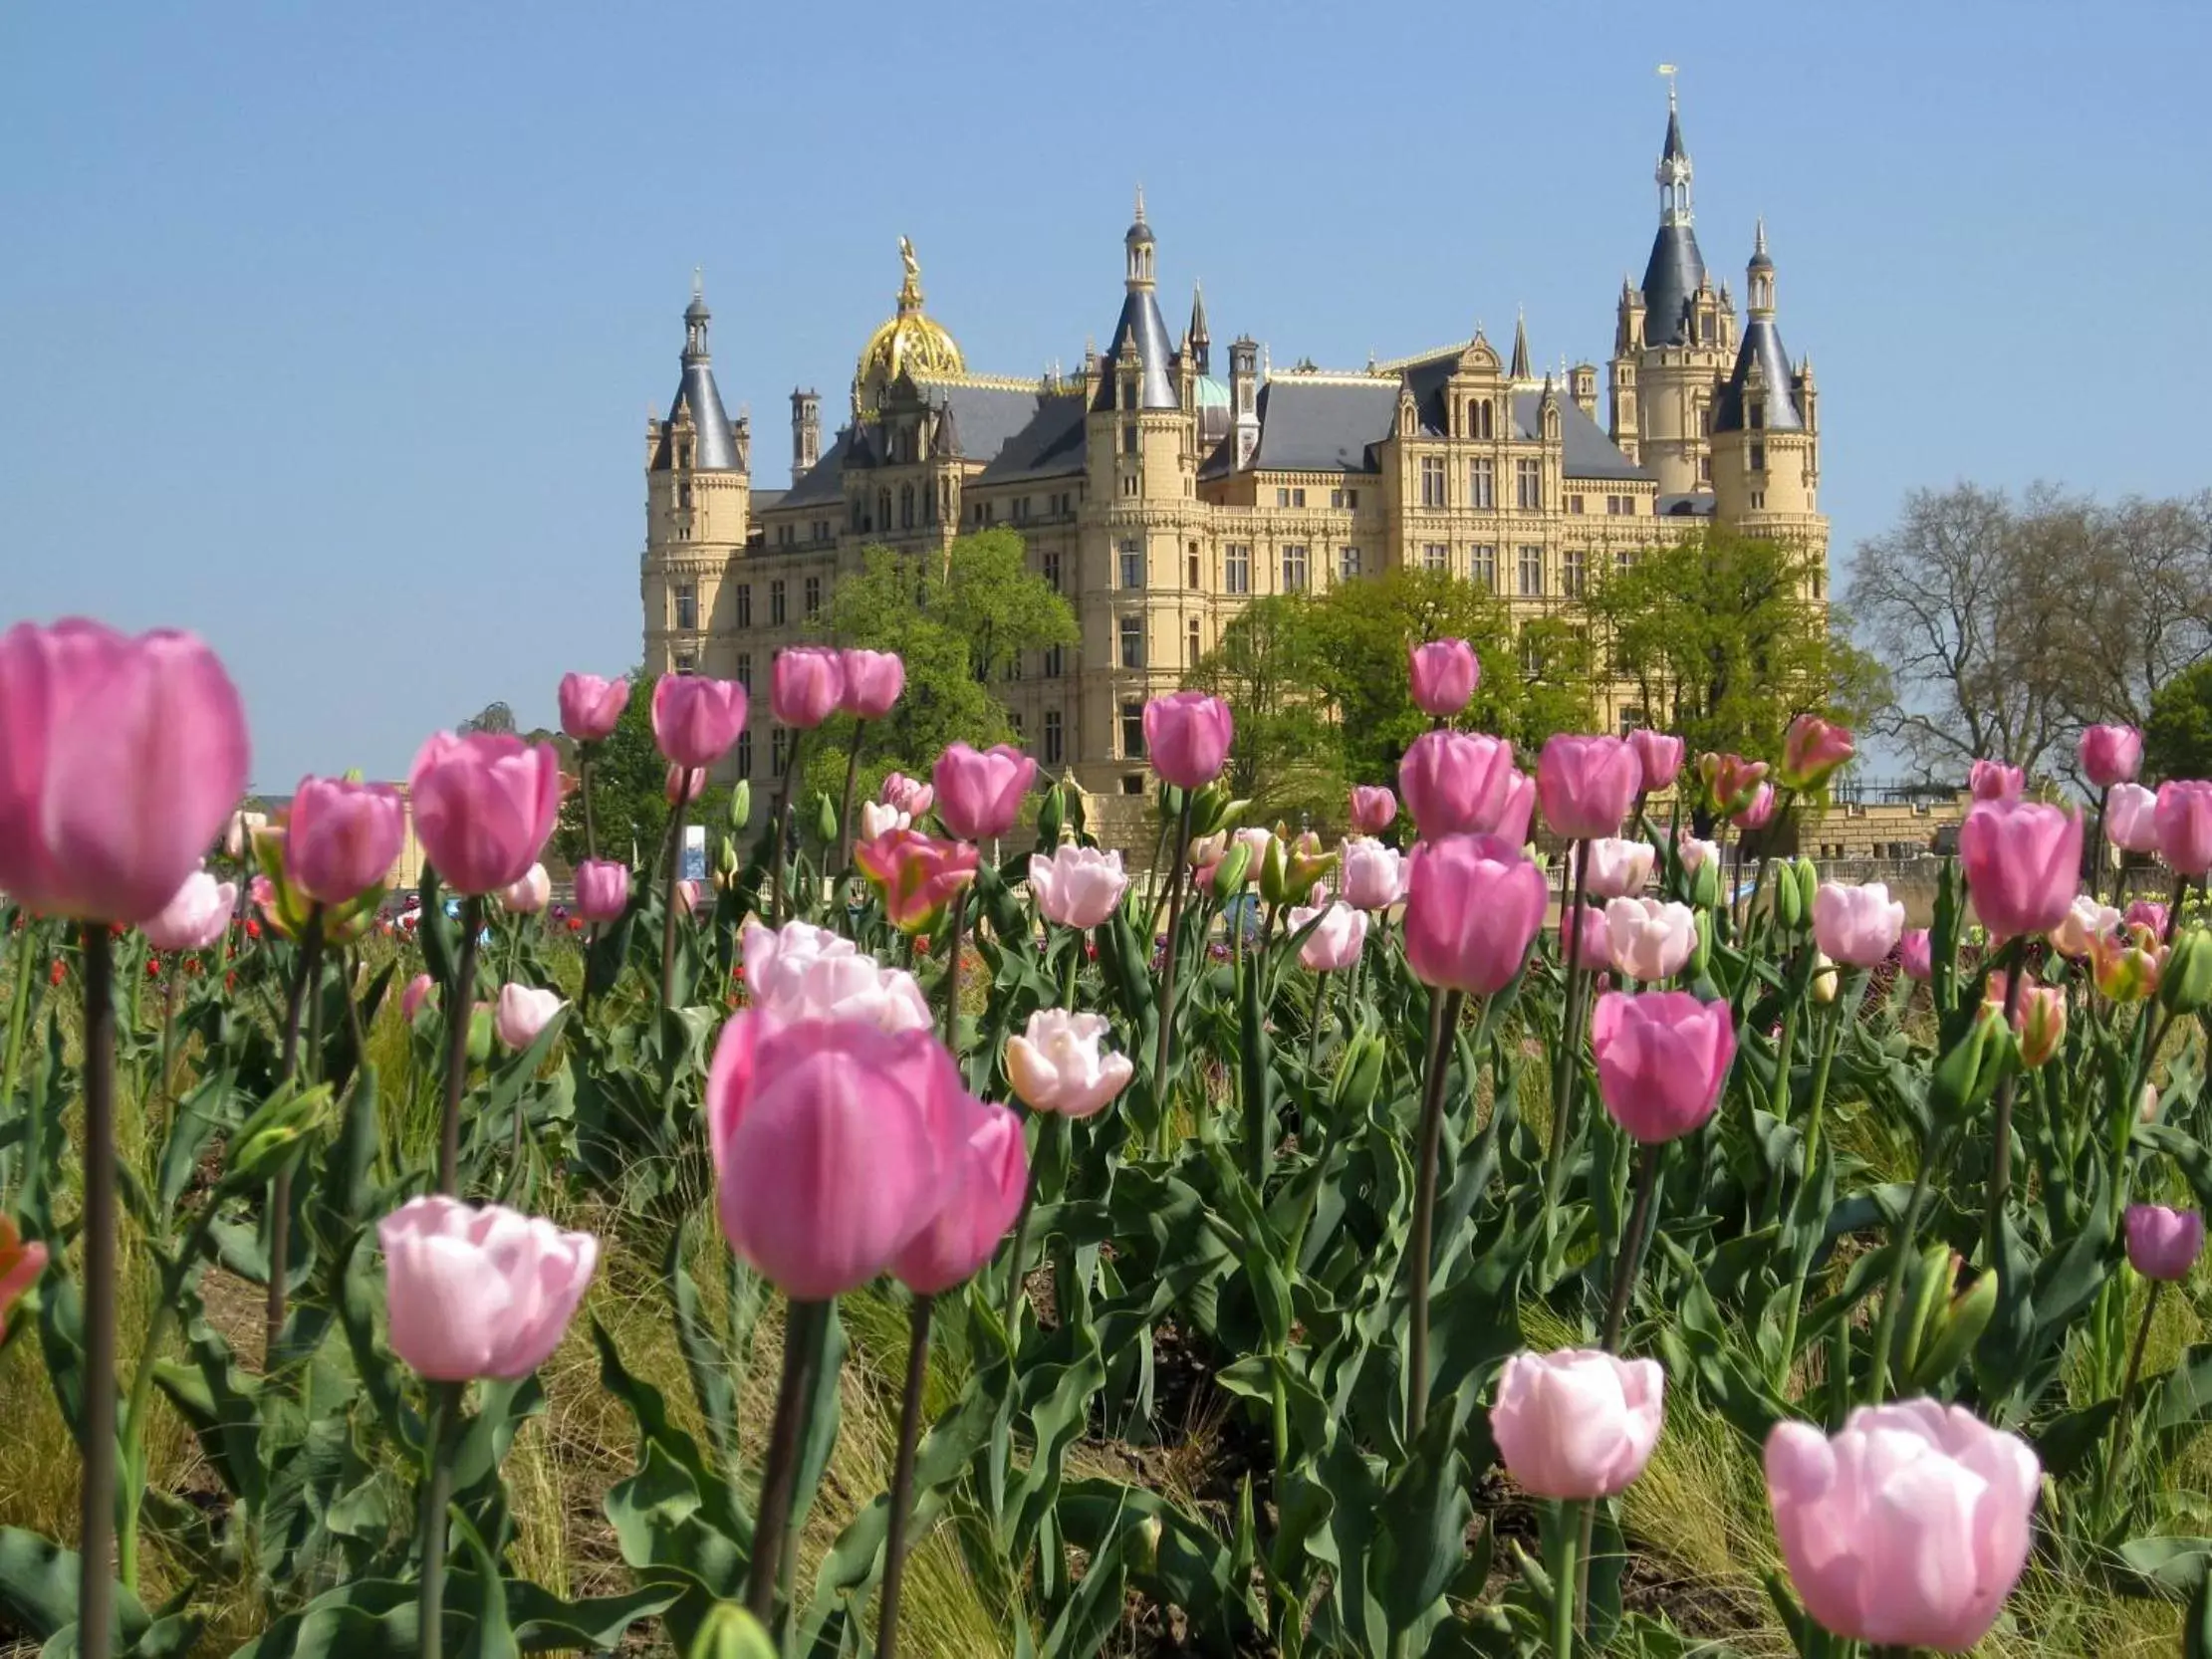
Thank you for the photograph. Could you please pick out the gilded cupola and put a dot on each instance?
(908, 342)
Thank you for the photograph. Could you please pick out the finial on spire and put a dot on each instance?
(1140, 202)
(1670, 71)
(699, 281)
(1759, 237)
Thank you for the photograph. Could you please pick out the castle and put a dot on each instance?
(1160, 498)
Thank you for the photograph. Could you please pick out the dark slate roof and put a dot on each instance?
(1763, 346)
(1050, 445)
(1675, 149)
(824, 482)
(988, 418)
(1697, 504)
(945, 441)
(717, 449)
(765, 500)
(1143, 322)
(1585, 450)
(1672, 276)
(1323, 425)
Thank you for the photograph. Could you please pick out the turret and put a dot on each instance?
(697, 500)
(1199, 342)
(1765, 454)
(805, 432)
(1244, 397)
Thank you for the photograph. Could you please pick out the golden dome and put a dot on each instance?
(908, 342)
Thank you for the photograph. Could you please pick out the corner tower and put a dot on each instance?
(698, 495)
(1766, 435)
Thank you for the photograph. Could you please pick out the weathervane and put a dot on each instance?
(1670, 71)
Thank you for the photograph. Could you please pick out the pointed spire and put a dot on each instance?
(1520, 368)
(1196, 340)
(1140, 201)
(1760, 258)
(1674, 172)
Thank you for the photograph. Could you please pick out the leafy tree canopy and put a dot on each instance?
(2177, 738)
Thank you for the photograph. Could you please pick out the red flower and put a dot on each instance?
(575, 926)
(230, 982)
(54, 977)
(154, 966)
(253, 928)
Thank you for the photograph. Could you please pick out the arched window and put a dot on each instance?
(883, 507)
(905, 507)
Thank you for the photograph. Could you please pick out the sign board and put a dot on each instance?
(694, 852)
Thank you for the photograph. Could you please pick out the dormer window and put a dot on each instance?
(1755, 413)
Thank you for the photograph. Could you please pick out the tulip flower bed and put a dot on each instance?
(1404, 1246)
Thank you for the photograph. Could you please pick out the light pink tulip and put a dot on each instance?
(602, 889)
(1909, 1527)
(909, 795)
(696, 720)
(805, 685)
(590, 708)
(1444, 675)
(196, 917)
(1059, 1064)
(1662, 1058)
(1916, 954)
(1587, 784)
(829, 1141)
(1458, 783)
(1577, 1423)
(239, 833)
(979, 791)
(691, 894)
(1994, 780)
(417, 994)
(871, 683)
(484, 805)
(1374, 809)
(1658, 754)
(528, 894)
(1615, 868)
(1592, 940)
(2111, 755)
(2161, 1243)
(2084, 922)
(2023, 860)
(986, 1179)
(342, 837)
(2183, 818)
(1374, 876)
(877, 819)
(2132, 818)
(1695, 855)
(479, 1292)
(1649, 940)
(1856, 924)
(802, 971)
(120, 760)
(1758, 811)
(1336, 942)
(1188, 736)
(522, 1012)
(1473, 906)
(1811, 749)
(1077, 886)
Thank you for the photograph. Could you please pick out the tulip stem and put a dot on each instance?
(1073, 971)
(28, 961)
(96, 1506)
(1321, 1008)
(1631, 1259)
(437, 1496)
(1444, 1020)
(1567, 1073)
(1566, 1531)
(460, 1012)
(802, 1326)
(1829, 1032)
(584, 793)
(953, 972)
(1166, 1044)
(779, 826)
(2000, 1150)
(2122, 1422)
(902, 1477)
(280, 1188)
(668, 901)
(2094, 852)
(852, 787)
(1894, 1292)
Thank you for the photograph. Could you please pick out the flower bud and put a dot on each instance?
(268, 1139)
(1705, 885)
(1274, 872)
(1229, 873)
(1953, 1331)
(1825, 981)
(2185, 987)
(1807, 874)
(741, 803)
(1967, 1074)
(2041, 1022)
(1701, 955)
(824, 818)
(1789, 902)
(730, 1632)
(1359, 1076)
(2147, 1108)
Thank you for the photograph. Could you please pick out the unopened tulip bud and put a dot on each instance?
(1274, 872)
(1956, 1327)
(268, 1139)
(725, 856)
(1701, 955)
(1806, 875)
(730, 1632)
(1229, 873)
(1969, 1071)
(480, 1033)
(1825, 981)
(1359, 1078)
(741, 803)
(2185, 984)
(2147, 1106)
(824, 818)
(1705, 885)
(2041, 1022)
(1789, 902)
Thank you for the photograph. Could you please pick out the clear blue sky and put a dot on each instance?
(331, 331)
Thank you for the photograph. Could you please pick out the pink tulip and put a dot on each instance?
(1658, 754)
(196, 916)
(2125, 965)
(1909, 1527)
(1663, 1057)
(1811, 749)
(1473, 906)
(120, 760)
(483, 806)
(1858, 924)
(1757, 811)
(2183, 818)
(829, 1142)
(1729, 781)
(1577, 1423)
(2161, 1243)
(590, 708)
(341, 839)
(908, 795)
(805, 685)
(239, 833)
(602, 889)
(1649, 940)
(1592, 940)
(2146, 913)
(1445, 675)
(1916, 954)
(479, 1292)
(2111, 755)
(2132, 818)
(979, 791)
(802, 971)
(1336, 942)
(1587, 784)
(879, 819)
(21, 1266)
(417, 994)
(683, 785)
(1994, 780)
(522, 1012)
(986, 1180)
(528, 894)
(1187, 735)
(917, 875)
(696, 720)
(2084, 922)
(1614, 868)
(1695, 855)
(691, 895)
(1519, 810)
(1059, 1065)
(1374, 874)
(2022, 860)
(1457, 784)
(2039, 1019)
(1077, 886)
(1374, 809)
(871, 683)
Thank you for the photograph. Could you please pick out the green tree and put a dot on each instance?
(2177, 738)
(1287, 755)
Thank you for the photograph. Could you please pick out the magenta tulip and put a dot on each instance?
(1663, 1057)
(1473, 906)
(602, 889)
(1187, 735)
(120, 761)
(1458, 783)
(2132, 818)
(2183, 818)
(1856, 924)
(1587, 784)
(1518, 810)
(2163, 1244)
(979, 791)
(1916, 954)
(1059, 1064)
(2111, 755)
(590, 708)
(1757, 811)
(829, 1143)
(484, 805)
(2022, 860)
(1811, 749)
(417, 994)
(805, 685)
(871, 682)
(696, 721)
(1909, 1527)
(1077, 886)
(479, 1293)
(1994, 780)
(1374, 809)
(1577, 1423)
(986, 1179)
(342, 837)
(196, 916)
(2146, 913)
(1658, 754)
(1445, 675)
(522, 1012)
